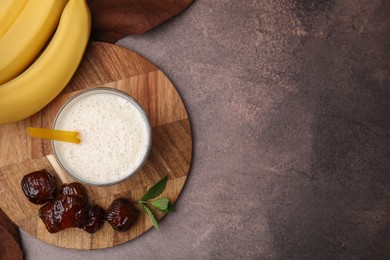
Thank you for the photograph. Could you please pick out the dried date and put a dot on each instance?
(121, 214)
(95, 218)
(66, 211)
(39, 186)
(74, 188)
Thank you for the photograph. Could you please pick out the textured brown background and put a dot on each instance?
(289, 102)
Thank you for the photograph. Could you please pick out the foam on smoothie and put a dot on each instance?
(114, 138)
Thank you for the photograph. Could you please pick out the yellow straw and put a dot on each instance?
(58, 135)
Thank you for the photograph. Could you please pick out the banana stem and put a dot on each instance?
(58, 135)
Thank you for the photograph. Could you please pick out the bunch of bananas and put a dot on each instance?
(41, 45)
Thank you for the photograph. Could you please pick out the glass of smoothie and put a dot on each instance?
(115, 134)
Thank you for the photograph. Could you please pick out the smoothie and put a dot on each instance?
(115, 137)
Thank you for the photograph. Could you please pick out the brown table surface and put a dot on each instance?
(289, 105)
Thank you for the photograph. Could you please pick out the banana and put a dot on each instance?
(23, 41)
(49, 74)
(9, 11)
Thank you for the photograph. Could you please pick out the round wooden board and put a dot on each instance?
(104, 65)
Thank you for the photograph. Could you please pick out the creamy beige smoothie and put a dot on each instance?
(115, 137)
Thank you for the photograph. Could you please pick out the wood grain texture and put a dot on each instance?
(104, 65)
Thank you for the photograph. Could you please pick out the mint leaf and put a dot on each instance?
(161, 204)
(170, 208)
(156, 190)
(150, 215)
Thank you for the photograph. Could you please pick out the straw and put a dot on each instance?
(58, 135)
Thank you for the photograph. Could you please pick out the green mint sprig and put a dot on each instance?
(162, 204)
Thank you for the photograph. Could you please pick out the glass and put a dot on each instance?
(75, 99)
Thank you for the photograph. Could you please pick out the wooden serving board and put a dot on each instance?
(104, 65)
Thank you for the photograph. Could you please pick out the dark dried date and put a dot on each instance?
(70, 211)
(46, 213)
(66, 211)
(121, 214)
(74, 188)
(95, 218)
(39, 186)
